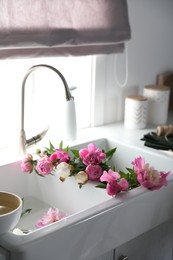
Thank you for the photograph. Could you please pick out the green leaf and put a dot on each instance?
(101, 185)
(131, 171)
(131, 177)
(55, 161)
(41, 175)
(75, 152)
(123, 174)
(113, 168)
(51, 147)
(50, 150)
(66, 149)
(105, 167)
(25, 212)
(77, 169)
(61, 145)
(110, 153)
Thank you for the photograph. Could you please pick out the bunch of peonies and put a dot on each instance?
(91, 163)
(45, 164)
(85, 164)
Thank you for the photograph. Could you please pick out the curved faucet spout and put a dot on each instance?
(69, 99)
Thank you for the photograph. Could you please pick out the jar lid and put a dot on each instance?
(157, 87)
(137, 98)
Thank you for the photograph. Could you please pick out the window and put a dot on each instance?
(44, 96)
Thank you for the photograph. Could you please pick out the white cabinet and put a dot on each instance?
(4, 255)
(156, 244)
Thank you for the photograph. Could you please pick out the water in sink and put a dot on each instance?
(33, 210)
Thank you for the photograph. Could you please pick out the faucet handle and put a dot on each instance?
(72, 88)
(37, 138)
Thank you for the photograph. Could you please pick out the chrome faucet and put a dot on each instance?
(70, 115)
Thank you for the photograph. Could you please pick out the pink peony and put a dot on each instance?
(50, 217)
(110, 176)
(138, 164)
(148, 176)
(92, 155)
(94, 172)
(60, 155)
(115, 184)
(26, 163)
(44, 166)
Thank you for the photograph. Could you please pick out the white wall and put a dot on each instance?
(151, 46)
(150, 52)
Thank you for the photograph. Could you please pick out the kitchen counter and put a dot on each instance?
(117, 131)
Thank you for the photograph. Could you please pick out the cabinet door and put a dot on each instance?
(107, 256)
(156, 244)
(4, 255)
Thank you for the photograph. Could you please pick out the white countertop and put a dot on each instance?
(115, 131)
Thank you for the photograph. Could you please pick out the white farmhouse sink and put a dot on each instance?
(95, 222)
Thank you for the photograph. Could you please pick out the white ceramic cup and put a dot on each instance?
(10, 211)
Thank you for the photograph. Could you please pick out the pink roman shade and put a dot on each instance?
(37, 28)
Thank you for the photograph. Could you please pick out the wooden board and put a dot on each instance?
(166, 79)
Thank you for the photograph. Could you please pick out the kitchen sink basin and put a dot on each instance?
(95, 222)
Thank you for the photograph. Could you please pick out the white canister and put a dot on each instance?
(158, 102)
(135, 116)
